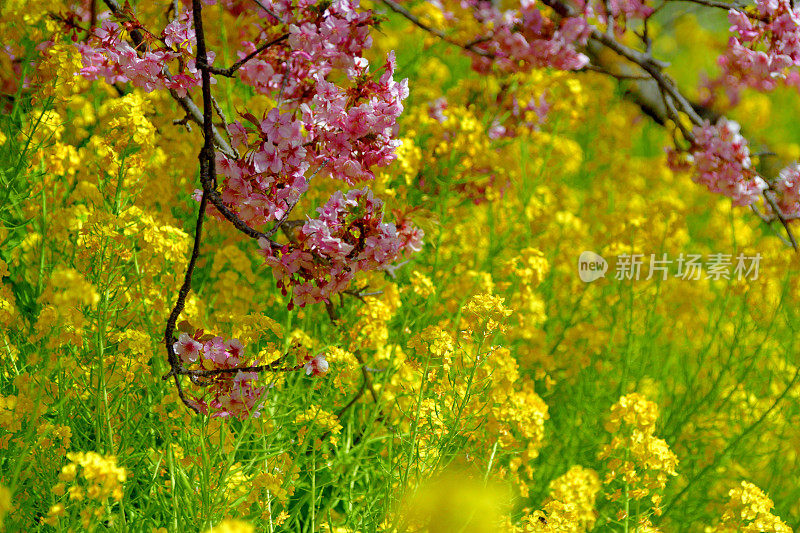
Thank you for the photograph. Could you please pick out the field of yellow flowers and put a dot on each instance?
(479, 386)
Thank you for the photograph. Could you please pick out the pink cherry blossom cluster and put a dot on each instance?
(180, 32)
(355, 129)
(720, 160)
(764, 45)
(269, 176)
(344, 131)
(319, 41)
(348, 236)
(525, 38)
(109, 55)
(787, 187)
(231, 394)
(437, 108)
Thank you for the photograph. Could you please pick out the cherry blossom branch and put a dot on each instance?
(644, 69)
(644, 60)
(715, 4)
(230, 71)
(93, 14)
(768, 221)
(267, 10)
(783, 220)
(207, 177)
(360, 295)
(208, 181)
(271, 367)
(366, 237)
(194, 113)
(185, 102)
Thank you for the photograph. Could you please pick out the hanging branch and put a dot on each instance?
(208, 180)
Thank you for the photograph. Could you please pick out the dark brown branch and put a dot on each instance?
(230, 71)
(367, 377)
(352, 401)
(267, 10)
(768, 221)
(782, 219)
(196, 116)
(209, 132)
(92, 15)
(359, 294)
(208, 180)
(183, 122)
(172, 358)
(713, 3)
(271, 367)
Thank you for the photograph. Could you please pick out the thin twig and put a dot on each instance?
(719, 5)
(470, 47)
(596, 68)
(268, 11)
(196, 115)
(184, 122)
(230, 71)
(783, 220)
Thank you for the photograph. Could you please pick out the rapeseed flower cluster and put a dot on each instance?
(635, 458)
(91, 484)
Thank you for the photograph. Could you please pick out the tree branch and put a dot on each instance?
(230, 71)
(470, 47)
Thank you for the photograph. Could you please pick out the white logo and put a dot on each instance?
(591, 266)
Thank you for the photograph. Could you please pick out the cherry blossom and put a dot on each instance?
(318, 43)
(344, 132)
(109, 55)
(187, 348)
(787, 186)
(227, 394)
(526, 38)
(316, 366)
(762, 49)
(720, 160)
(348, 236)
